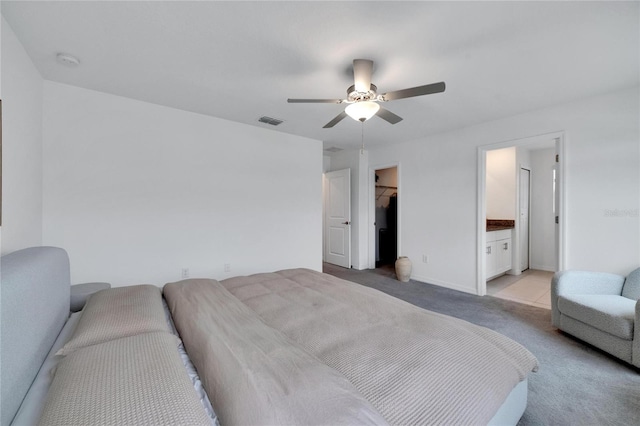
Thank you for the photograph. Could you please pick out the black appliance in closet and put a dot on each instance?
(387, 237)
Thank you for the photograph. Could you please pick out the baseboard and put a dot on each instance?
(542, 268)
(445, 284)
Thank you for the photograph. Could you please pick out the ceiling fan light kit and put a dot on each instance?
(363, 98)
(362, 111)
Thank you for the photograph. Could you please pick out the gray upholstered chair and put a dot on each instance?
(601, 309)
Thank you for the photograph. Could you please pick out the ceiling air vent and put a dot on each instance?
(269, 120)
(333, 149)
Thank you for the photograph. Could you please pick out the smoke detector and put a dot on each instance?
(67, 60)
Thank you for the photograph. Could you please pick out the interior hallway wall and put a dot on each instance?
(501, 184)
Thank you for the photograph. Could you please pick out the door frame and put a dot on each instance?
(519, 265)
(372, 211)
(560, 142)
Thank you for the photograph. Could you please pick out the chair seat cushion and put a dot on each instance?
(611, 314)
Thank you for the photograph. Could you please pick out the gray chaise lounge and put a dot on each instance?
(601, 309)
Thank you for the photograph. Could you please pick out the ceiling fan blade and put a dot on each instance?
(315, 101)
(362, 70)
(387, 115)
(338, 118)
(427, 89)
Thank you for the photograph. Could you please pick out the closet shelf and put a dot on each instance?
(385, 191)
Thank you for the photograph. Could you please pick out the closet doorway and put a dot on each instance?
(386, 217)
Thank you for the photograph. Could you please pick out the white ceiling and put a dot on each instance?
(242, 60)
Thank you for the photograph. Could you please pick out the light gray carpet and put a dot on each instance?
(577, 384)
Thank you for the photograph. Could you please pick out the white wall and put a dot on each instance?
(543, 253)
(1, 19)
(523, 157)
(501, 184)
(439, 188)
(21, 146)
(326, 163)
(135, 192)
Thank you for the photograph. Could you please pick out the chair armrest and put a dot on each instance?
(635, 352)
(582, 282)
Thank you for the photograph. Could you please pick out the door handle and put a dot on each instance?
(347, 222)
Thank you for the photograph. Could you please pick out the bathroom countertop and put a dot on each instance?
(498, 228)
(500, 224)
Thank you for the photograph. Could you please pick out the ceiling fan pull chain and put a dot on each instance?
(362, 138)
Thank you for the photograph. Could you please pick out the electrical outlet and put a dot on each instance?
(185, 272)
(425, 258)
(227, 267)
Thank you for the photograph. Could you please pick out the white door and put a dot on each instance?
(338, 218)
(525, 178)
(556, 206)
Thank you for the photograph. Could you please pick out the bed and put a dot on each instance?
(290, 347)
(118, 361)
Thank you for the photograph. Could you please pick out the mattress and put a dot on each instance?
(252, 373)
(413, 366)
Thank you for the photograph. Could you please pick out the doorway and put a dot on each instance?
(386, 216)
(388, 175)
(535, 197)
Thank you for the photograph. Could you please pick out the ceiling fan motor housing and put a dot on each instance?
(355, 96)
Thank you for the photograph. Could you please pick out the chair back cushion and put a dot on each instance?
(631, 288)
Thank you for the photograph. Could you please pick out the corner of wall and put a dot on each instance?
(22, 95)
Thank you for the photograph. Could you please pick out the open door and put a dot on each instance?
(338, 217)
(557, 206)
(525, 185)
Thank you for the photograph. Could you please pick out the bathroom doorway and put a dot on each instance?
(520, 211)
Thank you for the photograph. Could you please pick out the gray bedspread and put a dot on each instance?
(252, 373)
(414, 366)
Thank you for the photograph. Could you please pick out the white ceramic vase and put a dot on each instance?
(403, 268)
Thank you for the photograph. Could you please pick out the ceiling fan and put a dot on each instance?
(363, 98)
